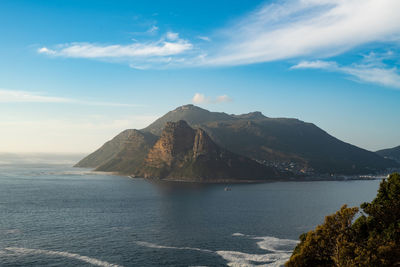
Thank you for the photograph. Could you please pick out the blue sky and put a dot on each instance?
(75, 73)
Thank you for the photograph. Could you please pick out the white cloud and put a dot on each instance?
(199, 98)
(204, 38)
(317, 64)
(153, 29)
(45, 50)
(298, 28)
(172, 36)
(223, 98)
(173, 45)
(202, 99)
(389, 77)
(370, 70)
(15, 96)
(12, 96)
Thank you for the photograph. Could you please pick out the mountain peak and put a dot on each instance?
(192, 114)
(189, 107)
(251, 116)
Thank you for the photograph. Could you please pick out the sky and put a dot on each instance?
(75, 73)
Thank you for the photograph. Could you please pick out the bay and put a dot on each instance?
(56, 215)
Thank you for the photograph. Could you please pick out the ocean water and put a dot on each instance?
(56, 215)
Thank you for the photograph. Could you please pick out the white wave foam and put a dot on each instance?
(62, 254)
(151, 245)
(10, 231)
(276, 244)
(236, 258)
(279, 251)
(238, 234)
(73, 173)
(271, 243)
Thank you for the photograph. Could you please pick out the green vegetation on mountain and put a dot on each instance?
(276, 142)
(371, 240)
(390, 153)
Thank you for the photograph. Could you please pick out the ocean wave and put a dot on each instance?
(152, 245)
(238, 234)
(279, 251)
(271, 243)
(236, 258)
(62, 254)
(10, 231)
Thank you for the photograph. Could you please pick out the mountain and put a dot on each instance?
(292, 140)
(390, 153)
(189, 113)
(183, 153)
(288, 144)
(123, 154)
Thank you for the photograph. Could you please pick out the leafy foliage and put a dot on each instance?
(372, 240)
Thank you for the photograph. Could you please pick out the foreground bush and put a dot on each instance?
(372, 240)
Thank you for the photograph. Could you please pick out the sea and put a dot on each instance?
(52, 214)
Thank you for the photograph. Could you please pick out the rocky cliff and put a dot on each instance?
(183, 153)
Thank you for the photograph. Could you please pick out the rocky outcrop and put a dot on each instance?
(185, 154)
(175, 141)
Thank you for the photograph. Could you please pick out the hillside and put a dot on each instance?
(123, 153)
(390, 153)
(291, 140)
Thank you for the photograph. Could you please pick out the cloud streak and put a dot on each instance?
(372, 72)
(16, 96)
(199, 98)
(170, 45)
(300, 28)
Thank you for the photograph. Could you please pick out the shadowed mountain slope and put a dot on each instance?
(123, 154)
(391, 153)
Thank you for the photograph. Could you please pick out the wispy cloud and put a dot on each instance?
(306, 28)
(281, 30)
(16, 96)
(372, 70)
(204, 38)
(153, 29)
(199, 98)
(139, 54)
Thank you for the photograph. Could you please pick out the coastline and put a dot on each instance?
(314, 178)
